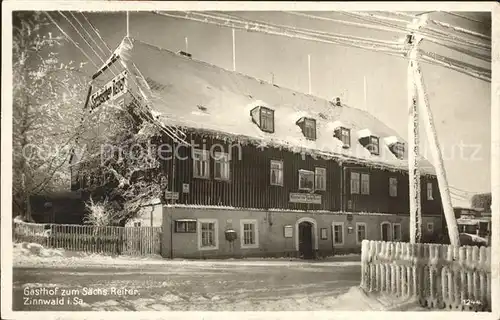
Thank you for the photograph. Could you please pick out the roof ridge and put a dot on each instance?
(250, 77)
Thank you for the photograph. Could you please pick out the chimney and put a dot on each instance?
(337, 102)
(183, 53)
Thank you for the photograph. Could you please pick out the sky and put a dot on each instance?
(460, 103)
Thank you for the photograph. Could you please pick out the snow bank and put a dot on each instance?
(358, 300)
(354, 299)
(35, 249)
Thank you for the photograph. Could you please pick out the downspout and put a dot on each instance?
(341, 187)
(171, 203)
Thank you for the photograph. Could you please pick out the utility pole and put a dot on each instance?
(365, 101)
(413, 141)
(444, 190)
(416, 88)
(234, 51)
(128, 25)
(309, 71)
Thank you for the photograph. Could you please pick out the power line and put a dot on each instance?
(473, 71)
(69, 38)
(435, 22)
(316, 32)
(249, 26)
(434, 39)
(356, 24)
(438, 35)
(304, 33)
(465, 191)
(96, 31)
(169, 131)
(460, 30)
(465, 17)
(386, 26)
(80, 34)
(88, 34)
(263, 29)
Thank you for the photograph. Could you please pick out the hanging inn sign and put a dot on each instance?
(111, 91)
(305, 198)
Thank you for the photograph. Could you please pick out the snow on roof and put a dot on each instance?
(365, 133)
(185, 84)
(392, 140)
(335, 124)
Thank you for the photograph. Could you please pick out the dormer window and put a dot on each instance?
(373, 145)
(308, 126)
(267, 120)
(398, 149)
(264, 118)
(369, 141)
(344, 135)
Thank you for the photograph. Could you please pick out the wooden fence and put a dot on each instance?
(92, 239)
(440, 276)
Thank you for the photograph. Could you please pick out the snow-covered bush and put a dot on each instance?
(100, 214)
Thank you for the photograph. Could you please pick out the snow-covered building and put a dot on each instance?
(268, 170)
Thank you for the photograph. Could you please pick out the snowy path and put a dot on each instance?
(187, 285)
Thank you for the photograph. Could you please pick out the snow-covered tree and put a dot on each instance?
(47, 99)
(482, 201)
(121, 162)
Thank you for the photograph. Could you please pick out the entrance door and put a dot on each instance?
(305, 240)
(386, 228)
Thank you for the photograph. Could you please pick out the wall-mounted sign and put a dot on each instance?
(324, 233)
(169, 195)
(288, 231)
(110, 91)
(349, 205)
(305, 198)
(185, 188)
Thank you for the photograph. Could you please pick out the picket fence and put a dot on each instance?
(91, 239)
(440, 276)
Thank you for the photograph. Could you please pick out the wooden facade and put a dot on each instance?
(249, 184)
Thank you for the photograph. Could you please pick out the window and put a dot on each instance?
(276, 173)
(385, 231)
(396, 232)
(185, 226)
(373, 145)
(393, 187)
(201, 163)
(365, 183)
(267, 120)
(429, 191)
(345, 136)
(338, 233)
(320, 175)
(249, 234)
(309, 128)
(399, 150)
(360, 232)
(430, 227)
(306, 180)
(221, 166)
(208, 234)
(354, 183)
(137, 224)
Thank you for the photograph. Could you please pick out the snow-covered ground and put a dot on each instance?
(191, 285)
